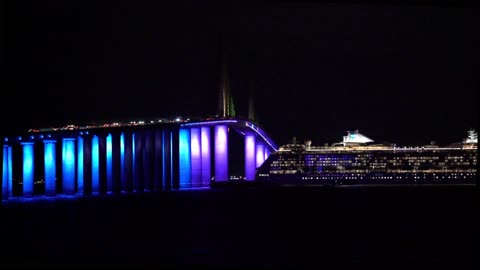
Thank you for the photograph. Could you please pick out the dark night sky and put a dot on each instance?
(398, 73)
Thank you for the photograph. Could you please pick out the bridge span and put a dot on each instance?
(133, 158)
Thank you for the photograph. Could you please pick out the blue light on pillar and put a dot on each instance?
(250, 156)
(68, 165)
(80, 165)
(95, 165)
(123, 173)
(10, 171)
(148, 156)
(260, 157)
(138, 179)
(184, 156)
(171, 158)
(28, 167)
(195, 136)
(7, 172)
(164, 169)
(206, 168)
(50, 167)
(266, 153)
(133, 153)
(221, 153)
(109, 163)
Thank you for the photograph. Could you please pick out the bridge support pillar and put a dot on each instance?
(260, 154)
(158, 161)
(109, 163)
(7, 172)
(167, 159)
(102, 160)
(148, 160)
(28, 169)
(127, 169)
(95, 165)
(80, 168)
(68, 165)
(249, 156)
(196, 157)
(50, 163)
(2, 184)
(138, 181)
(116, 162)
(184, 148)
(206, 158)
(221, 153)
(175, 157)
(266, 153)
(85, 186)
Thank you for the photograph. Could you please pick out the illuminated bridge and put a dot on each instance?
(128, 158)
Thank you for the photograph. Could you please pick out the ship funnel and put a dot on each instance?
(308, 143)
(472, 137)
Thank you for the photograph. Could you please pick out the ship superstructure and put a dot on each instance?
(359, 160)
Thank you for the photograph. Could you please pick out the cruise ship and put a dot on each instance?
(358, 160)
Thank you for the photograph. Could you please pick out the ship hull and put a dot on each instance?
(365, 164)
(371, 179)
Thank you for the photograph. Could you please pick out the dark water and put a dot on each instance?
(425, 227)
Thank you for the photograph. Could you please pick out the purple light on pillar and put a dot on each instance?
(221, 153)
(205, 145)
(196, 158)
(249, 156)
(260, 149)
(266, 153)
(28, 167)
